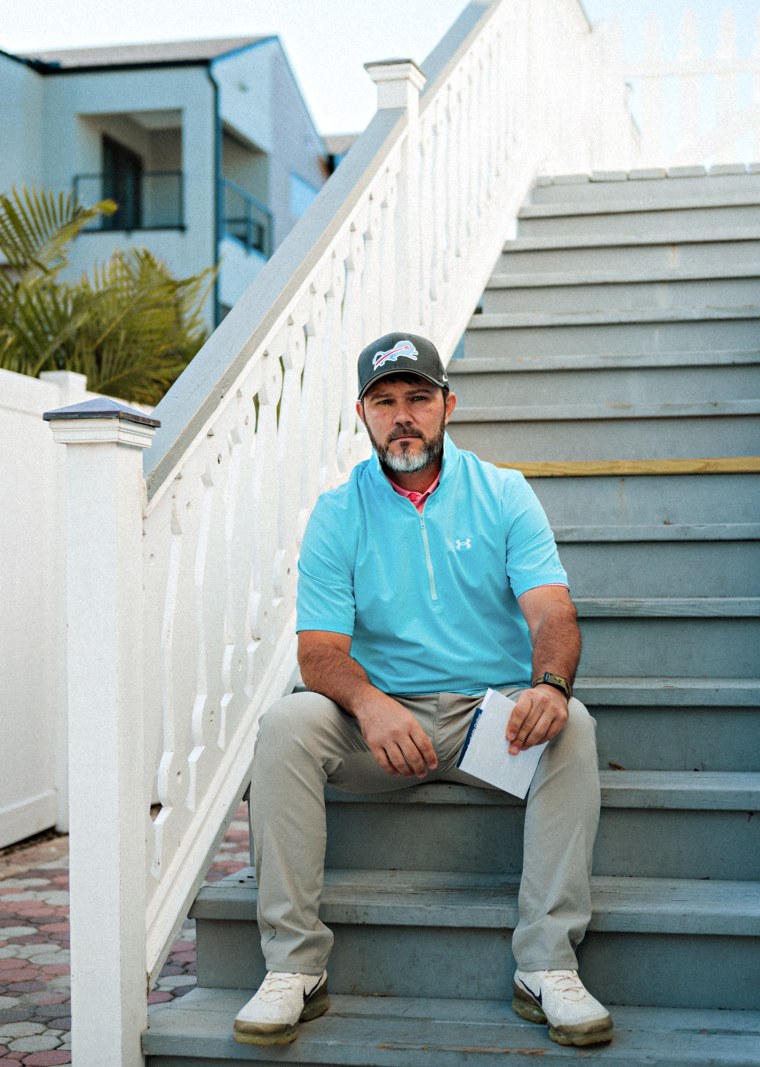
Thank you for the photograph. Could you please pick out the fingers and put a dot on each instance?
(538, 716)
(399, 744)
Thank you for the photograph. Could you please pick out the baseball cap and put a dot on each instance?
(400, 353)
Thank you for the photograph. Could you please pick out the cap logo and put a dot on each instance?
(403, 348)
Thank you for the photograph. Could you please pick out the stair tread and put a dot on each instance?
(449, 1033)
(633, 206)
(610, 410)
(666, 237)
(661, 607)
(697, 531)
(471, 365)
(620, 276)
(494, 320)
(702, 692)
(483, 900)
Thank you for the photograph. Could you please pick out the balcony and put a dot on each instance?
(147, 200)
(246, 219)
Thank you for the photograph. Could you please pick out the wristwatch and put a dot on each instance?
(556, 680)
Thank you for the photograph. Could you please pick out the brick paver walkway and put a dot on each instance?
(35, 1019)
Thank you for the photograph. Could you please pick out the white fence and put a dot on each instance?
(33, 783)
(181, 613)
(697, 100)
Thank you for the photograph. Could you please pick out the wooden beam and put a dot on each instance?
(586, 468)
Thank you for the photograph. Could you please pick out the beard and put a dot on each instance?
(407, 462)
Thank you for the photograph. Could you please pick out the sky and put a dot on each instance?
(327, 41)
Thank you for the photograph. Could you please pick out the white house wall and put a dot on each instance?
(21, 91)
(271, 113)
(80, 107)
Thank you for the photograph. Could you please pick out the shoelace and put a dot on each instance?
(275, 986)
(567, 984)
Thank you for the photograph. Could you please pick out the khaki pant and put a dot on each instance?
(306, 741)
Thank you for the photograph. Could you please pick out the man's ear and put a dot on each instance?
(451, 403)
(360, 411)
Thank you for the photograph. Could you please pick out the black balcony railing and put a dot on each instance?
(246, 219)
(147, 200)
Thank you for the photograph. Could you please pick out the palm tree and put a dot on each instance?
(131, 327)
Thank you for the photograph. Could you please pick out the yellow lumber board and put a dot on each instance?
(585, 468)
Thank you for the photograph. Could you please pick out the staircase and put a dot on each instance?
(614, 362)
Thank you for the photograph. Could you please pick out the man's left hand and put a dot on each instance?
(538, 715)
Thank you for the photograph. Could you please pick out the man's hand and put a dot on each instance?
(538, 715)
(396, 739)
(393, 735)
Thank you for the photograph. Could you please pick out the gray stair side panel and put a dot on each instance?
(626, 295)
(640, 255)
(712, 188)
(492, 335)
(691, 221)
(696, 647)
(650, 499)
(604, 438)
(664, 568)
(677, 738)
(557, 389)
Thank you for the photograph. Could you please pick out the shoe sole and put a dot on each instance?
(527, 1009)
(316, 1005)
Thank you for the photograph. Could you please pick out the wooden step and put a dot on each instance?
(444, 1033)
(396, 933)
(195, 1031)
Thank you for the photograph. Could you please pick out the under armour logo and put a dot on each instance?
(403, 348)
(463, 543)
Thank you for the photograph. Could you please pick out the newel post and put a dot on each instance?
(399, 84)
(107, 802)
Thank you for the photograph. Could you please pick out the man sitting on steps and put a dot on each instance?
(429, 577)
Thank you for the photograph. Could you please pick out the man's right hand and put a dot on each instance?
(393, 735)
(396, 739)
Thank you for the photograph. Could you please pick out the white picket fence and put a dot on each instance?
(696, 98)
(181, 579)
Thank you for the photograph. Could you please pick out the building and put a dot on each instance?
(207, 146)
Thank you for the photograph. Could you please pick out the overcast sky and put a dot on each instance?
(328, 41)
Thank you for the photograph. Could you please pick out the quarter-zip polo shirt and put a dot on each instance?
(429, 598)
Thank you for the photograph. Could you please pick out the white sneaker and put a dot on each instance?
(560, 999)
(283, 1000)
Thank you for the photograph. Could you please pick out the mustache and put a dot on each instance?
(403, 431)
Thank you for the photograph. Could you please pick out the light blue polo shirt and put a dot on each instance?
(430, 599)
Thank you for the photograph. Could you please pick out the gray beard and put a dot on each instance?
(407, 462)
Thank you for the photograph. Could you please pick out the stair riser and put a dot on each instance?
(712, 189)
(641, 385)
(657, 569)
(646, 500)
(700, 255)
(678, 739)
(631, 842)
(606, 439)
(681, 648)
(642, 969)
(625, 296)
(486, 341)
(677, 224)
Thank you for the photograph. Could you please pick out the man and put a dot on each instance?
(426, 579)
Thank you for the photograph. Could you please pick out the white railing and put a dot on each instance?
(696, 102)
(195, 588)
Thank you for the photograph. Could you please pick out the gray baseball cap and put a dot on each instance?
(400, 353)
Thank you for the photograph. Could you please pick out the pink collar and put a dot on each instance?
(418, 499)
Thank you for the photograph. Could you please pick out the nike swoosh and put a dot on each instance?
(538, 997)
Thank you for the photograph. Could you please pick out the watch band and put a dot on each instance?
(555, 680)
